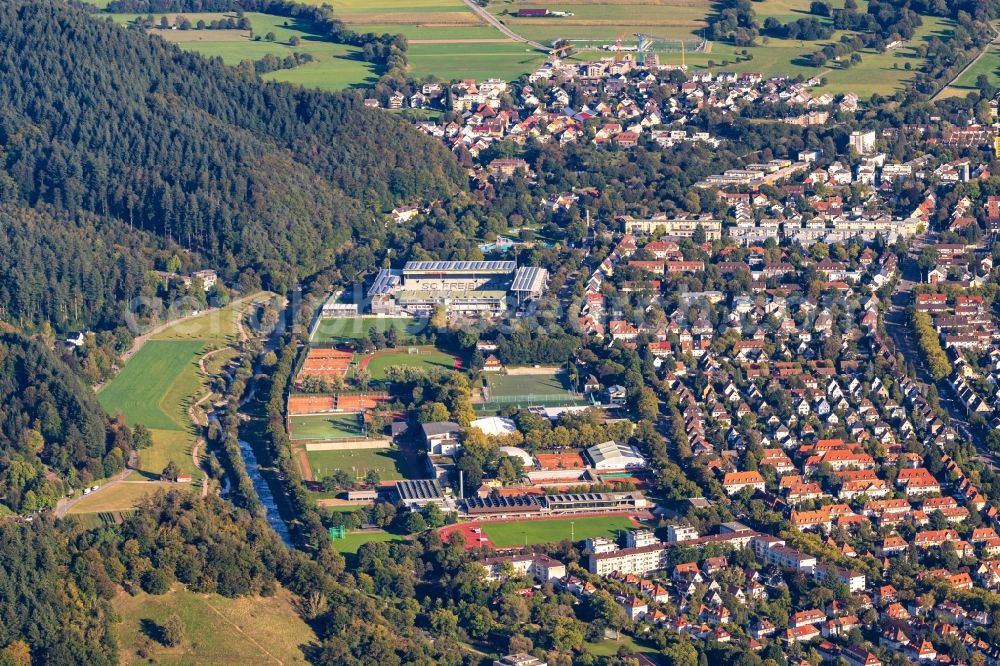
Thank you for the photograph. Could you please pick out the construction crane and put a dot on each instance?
(641, 48)
(618, 47)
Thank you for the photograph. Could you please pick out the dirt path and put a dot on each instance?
(242, 633)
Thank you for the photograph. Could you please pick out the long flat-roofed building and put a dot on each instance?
(465, 288)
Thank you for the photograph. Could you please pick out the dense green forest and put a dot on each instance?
(248, 174)
(50, 420)
(69, 268)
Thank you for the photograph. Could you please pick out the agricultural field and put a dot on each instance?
(604, 21)
(350, 329)
(428, 359)
(389, 463)
(557, 529)
(121, 496)
(404, 13)
(325, 426)
(218, 630)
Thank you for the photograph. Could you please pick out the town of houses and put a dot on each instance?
(780, 388)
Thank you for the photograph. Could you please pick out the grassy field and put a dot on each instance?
(605, 20)
(609, 647)
(139, 391)
(427, 359)
(349, 329)
(549, 531)
(218, 630)
(988, 65)
(334, 66)
(161, 381)
(881, 73)
(325, 426)
(121, 496)
(390, 463)
(352, 541)
(542, 389)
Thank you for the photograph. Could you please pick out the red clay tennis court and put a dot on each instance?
(326, 363)
(356, 402)
(311, 404)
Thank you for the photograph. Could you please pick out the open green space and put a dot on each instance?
(610, 647)
(477, 61)
(334, 66)
(349, 329)
(325, 426)
(389, 463)
(606, 20)
(988, 65)
(352, 541)
(217, 629)
(169, 445)
(549, 390)
(549, 531)
(425, 359)
(121, 496)
(877, 73)
(138, 392)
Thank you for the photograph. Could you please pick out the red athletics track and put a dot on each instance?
(472, 540)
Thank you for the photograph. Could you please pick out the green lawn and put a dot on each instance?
(427, 359)
(122, 496)
(349, 329)
(988, 65)
(325, 426)
(352, 541)
(140, 390)
(549, 531)
(169, 445)
(217, 629)
(609, 647)
(390, 463)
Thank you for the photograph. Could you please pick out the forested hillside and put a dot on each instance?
(68, 268)
(246, 173)
(49, 417)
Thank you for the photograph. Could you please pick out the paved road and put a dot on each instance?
(499, 25)
(984, 51)
(903, 339)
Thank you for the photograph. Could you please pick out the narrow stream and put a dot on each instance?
(264, 492)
